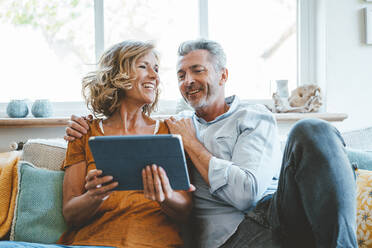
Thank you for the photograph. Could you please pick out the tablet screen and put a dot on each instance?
(124, 157)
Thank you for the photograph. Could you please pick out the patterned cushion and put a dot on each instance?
(364, 208)
(45, 153)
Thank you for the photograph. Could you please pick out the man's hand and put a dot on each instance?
(77, 126)
(199, 155)
(183, 127)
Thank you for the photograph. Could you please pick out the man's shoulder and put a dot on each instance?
(184, 114)
(255, 112)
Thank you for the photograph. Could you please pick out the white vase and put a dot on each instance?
(282, 88)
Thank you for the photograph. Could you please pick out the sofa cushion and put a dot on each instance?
(363, 159)
(38, 214)
(45, 153)
(359, 139)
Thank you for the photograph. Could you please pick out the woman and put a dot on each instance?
(124, 89)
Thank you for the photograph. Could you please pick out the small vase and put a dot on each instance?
(282, 88)
(17, 109)
(42, 108)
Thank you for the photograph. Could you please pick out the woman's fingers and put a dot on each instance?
(159, 194)
(102, 190)
(98, 185)
(150, 182)
(168, 191)
(92, 174)
(146, 190)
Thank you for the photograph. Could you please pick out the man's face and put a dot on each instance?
(199, 82)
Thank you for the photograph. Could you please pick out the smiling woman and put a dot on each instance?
(125, 71)
(124, 90)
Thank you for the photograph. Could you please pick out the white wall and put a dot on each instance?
(349, 63)
(348, 72)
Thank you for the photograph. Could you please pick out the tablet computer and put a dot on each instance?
(124, 157)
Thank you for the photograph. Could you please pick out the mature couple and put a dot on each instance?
(239, 198)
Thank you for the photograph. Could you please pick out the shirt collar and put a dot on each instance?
(232, 101)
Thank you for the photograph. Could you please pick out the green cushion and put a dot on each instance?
(39, 216)
(363, 159)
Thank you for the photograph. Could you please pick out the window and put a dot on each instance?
(50, 45)
(46, 47)
(259, 38)
(166, 22)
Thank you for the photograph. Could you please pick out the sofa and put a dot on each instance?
(37, 212)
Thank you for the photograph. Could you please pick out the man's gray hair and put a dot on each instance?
(212, 47)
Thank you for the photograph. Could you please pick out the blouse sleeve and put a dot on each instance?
(75, 152)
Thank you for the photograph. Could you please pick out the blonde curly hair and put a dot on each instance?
(104, 88)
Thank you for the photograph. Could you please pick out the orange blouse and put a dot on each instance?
(126, 218)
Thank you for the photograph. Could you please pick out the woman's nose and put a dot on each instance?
(152, 73)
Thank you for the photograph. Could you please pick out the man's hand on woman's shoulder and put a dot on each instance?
(77, 126)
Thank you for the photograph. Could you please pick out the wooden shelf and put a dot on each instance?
(62, 121)
(289, 117)
(33, 122)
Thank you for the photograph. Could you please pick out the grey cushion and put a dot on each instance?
(363, 159)
(359, 139)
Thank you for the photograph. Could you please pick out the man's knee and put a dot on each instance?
(311, 128)
(312, 131)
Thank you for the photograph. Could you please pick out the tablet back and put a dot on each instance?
(124, 157)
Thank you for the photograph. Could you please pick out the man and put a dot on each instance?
(236, 156)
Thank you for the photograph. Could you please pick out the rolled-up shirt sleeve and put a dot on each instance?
(255, 160)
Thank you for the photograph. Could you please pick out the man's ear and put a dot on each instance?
(224, 76)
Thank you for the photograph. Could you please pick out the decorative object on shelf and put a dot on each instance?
(17, 109)
(16, 146)
(282, 88)
(42, 108)
(303, 99)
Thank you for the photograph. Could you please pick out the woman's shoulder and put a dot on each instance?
(95, 127)
(162, 127)
(94, 130)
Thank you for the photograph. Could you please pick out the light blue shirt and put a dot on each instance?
(244, 167)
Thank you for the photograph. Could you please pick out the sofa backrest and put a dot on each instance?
(359, 139)
(45, 153)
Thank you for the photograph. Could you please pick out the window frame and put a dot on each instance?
(311, 53)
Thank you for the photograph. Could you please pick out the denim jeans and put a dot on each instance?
(315, 203)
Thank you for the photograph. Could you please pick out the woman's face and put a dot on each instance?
(145, 87)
